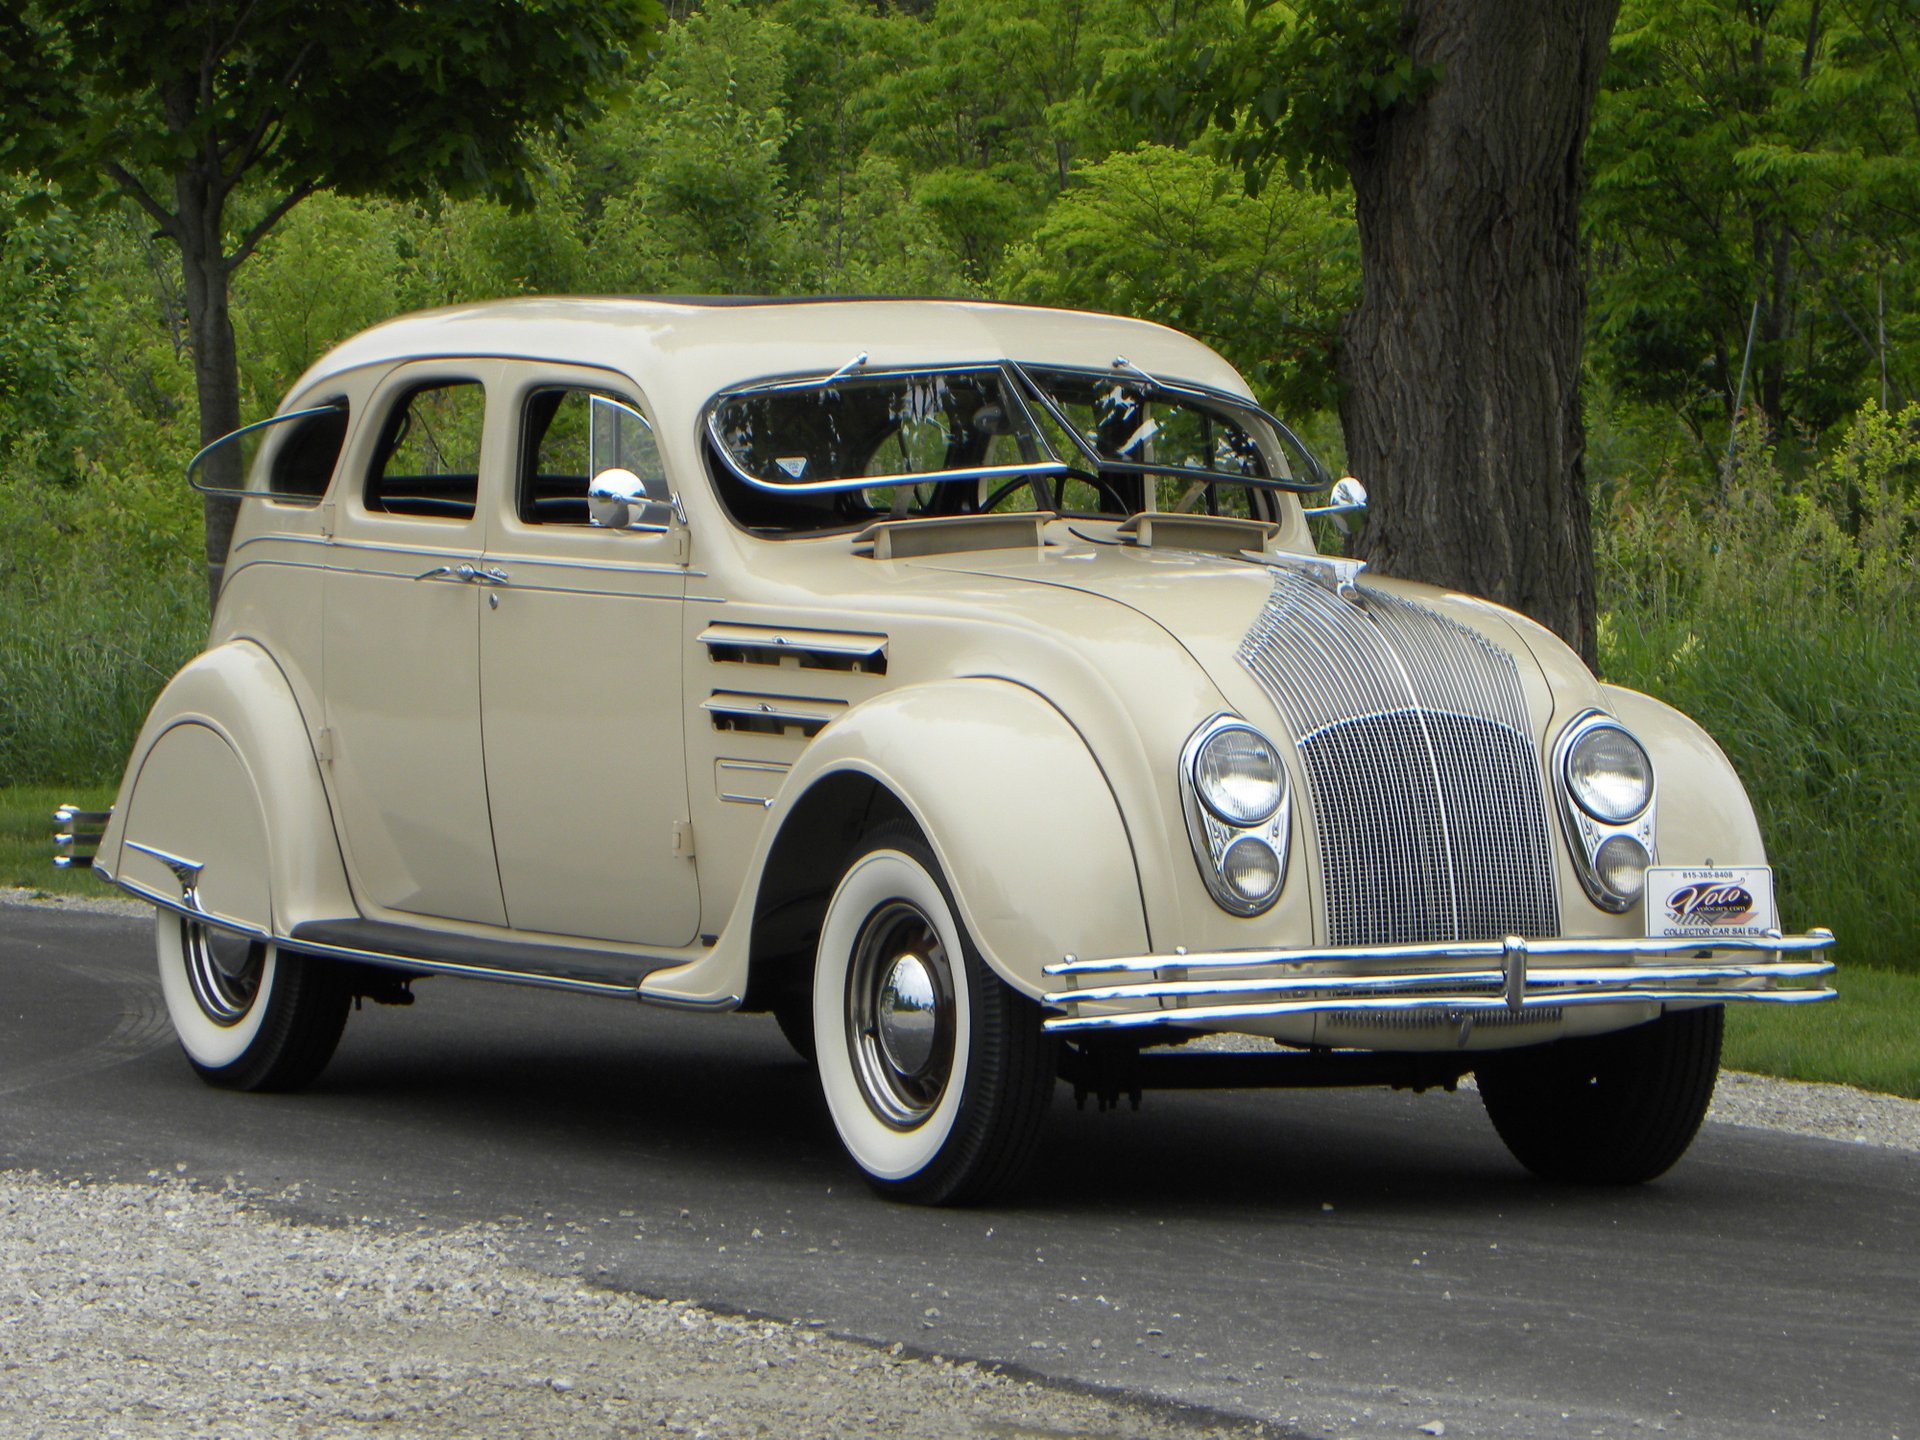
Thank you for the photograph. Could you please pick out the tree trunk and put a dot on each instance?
(216, 365)
(1461, 365)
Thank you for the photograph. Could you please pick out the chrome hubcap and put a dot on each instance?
(900, 1015)
(906, 1020)
(223, 971)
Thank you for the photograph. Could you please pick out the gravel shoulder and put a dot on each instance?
(162, 1310)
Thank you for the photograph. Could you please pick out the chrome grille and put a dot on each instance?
(1426, 789)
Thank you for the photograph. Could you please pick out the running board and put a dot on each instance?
(434, 952)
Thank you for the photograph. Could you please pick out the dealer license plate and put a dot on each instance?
(1706, 903)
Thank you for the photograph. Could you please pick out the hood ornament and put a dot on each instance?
(1331, 572)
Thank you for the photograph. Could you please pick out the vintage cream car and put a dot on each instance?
(958, 682)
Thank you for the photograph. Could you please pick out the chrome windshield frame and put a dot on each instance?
(1320, 479)
(1051, 467)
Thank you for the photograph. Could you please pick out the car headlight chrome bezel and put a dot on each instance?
(1608, 774)
(1220, 822)
(1595, 820)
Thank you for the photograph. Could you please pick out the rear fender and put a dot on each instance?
(223, 796)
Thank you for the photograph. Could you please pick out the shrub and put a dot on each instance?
(1783, 616)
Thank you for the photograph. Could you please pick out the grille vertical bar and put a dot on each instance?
(1426, 791)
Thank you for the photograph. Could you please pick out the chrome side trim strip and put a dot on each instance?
(475, 972)
(677, 1002)
(429, 967)
(181, 906)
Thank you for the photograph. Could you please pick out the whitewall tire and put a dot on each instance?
(935, 1071)
(248, 1015)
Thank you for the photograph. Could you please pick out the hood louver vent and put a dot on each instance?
(776, 645)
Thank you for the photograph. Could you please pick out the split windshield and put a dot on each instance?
(847, 449)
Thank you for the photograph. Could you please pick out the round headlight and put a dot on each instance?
(1609, 775)
(1238, 777)
(1251, 870)
(1621, 866)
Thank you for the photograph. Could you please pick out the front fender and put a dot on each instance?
(224, 776)
(1018, 812)
(1705, 817)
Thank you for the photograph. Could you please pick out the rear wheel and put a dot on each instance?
(937, 1073)
(249, 1015)
(1614, 1109)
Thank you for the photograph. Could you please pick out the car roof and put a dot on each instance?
(682, 349)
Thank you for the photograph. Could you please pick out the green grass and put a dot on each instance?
(1869, 1037)
(26, 837)
(78, 675)
(1782, 617)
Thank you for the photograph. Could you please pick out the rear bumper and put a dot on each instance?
(1455, 979)
(77, 835)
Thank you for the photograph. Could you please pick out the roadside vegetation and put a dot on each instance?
(1754, 171)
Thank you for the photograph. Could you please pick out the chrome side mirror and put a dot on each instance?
(1347, 497)
(617, 500)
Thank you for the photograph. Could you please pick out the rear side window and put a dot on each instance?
(304, 461)
(428, 460)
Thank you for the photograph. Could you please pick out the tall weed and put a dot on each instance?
(101, 601)
(1784, 616)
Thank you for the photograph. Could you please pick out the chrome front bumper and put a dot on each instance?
(1455, 980)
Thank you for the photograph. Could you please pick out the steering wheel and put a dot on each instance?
(1100, 483)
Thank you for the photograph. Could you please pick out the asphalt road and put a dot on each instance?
(1339, 1263)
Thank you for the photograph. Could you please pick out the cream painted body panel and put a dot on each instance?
(224, 775)
(1705, 816)
(1018, 813)
(580, 667)
(403, 714)
(581, 716)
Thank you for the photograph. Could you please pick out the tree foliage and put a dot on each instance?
(1171, 235)
(1769, 154)
(217, 117)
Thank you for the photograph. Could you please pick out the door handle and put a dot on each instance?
(472, 574)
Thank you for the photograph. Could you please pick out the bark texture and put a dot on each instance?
(1461, 364)
(216, 364)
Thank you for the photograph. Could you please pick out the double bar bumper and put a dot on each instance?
(1454, 979)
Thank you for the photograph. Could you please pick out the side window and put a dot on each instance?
(571, 435)
(428, 459)
(304, 461)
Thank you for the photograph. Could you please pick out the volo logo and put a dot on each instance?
(1710, 904)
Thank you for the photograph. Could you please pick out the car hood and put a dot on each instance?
(1212, 604)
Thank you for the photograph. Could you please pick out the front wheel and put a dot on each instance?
(1614, 1109)
(937, 1073)
(249, 1015)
